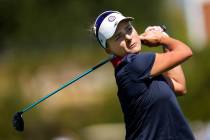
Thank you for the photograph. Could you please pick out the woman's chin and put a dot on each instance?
(135, 50)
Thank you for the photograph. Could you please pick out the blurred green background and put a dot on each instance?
(45, 43)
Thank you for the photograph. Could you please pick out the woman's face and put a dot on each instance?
(124, 41)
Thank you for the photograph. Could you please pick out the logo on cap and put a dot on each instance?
(111, 18)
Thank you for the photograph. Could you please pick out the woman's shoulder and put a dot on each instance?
(138, 57)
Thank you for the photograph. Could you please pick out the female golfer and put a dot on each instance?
(147, 82)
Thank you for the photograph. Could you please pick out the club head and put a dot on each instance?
(18, 122)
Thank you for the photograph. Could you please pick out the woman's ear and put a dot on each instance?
(107, 49)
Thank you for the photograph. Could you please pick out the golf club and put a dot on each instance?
(18, 122)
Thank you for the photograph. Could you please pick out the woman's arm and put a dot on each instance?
(168, 62)
(176, 78)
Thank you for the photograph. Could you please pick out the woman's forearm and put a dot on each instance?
(176, 78)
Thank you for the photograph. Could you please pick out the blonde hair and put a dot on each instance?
(92, 30)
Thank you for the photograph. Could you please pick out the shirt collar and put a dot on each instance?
(116, 61)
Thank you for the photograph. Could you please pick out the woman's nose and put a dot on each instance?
(128, 37)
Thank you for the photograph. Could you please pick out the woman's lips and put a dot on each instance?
(132, 46)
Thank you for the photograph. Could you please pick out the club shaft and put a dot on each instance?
(66, 84)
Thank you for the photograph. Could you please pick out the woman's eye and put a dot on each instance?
(118, 37)
(130, 29)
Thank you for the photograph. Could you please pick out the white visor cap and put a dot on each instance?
(108, 26)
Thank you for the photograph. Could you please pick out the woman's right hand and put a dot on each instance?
(153, 36)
